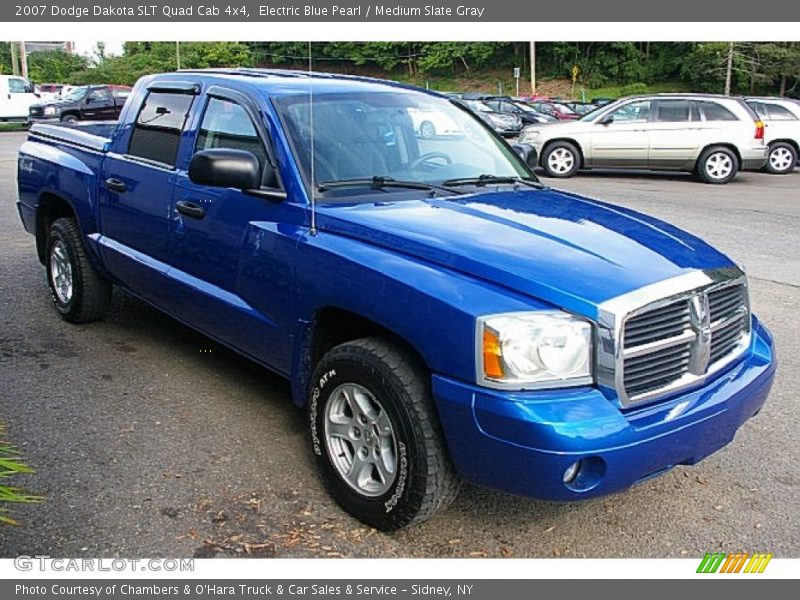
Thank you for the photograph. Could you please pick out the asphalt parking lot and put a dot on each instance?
(150, 440)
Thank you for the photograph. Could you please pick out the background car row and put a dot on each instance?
(22, 102)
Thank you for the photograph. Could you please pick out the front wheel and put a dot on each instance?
(561, 159)
(69, 119)
(782, 158)
(376, 437)
(80, 293)
(717, 165)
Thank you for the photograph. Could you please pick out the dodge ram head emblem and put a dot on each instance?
(700, 316)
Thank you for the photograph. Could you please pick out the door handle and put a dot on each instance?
(116, 185)
(190, 209)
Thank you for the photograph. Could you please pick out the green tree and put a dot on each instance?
(54, 66)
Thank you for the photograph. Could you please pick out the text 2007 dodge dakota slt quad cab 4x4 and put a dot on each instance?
(441, 315)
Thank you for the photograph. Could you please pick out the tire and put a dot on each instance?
(561, 159)
(69, 119)
(782, 158)
(717, 165)
(394, 399)
(427, 130)
(80, 294)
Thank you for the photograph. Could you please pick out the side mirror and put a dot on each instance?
(223, 167)
(607, 120)
(527, 153)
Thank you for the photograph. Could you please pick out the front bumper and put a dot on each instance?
(522, 442)
(32, 120)
(754, 158)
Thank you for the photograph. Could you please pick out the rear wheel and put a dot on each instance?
(81, 295)
(561, 159)
(717, 165)
(782, 158)
(427, 129)
(376, 437)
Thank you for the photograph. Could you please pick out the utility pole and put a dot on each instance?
(14, 58)
(178, 55)
(23, 60)
(533, 68)
(729, 69)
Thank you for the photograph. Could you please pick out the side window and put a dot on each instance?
(716, 112)
(673, 111)
(17, 86)
(759, 109)
(637, 111)
(157, 131)
(227, 125)
(99, 95)
(780, 113)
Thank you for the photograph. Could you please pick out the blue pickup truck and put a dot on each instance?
(441, 315)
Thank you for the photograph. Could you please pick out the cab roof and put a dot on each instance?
(289, 82)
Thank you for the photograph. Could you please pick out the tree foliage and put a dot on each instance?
(768, 67)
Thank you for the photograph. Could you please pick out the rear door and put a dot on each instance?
(674, 134)
(620, 138)
(136, 191)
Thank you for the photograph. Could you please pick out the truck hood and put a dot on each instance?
(570, 251)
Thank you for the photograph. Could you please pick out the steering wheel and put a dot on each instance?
(429, 156)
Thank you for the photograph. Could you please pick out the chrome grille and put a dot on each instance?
(657, 347)
(729, 322)
(673, 334)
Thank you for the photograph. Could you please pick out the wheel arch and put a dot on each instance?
(793, 143)
(727, 145)
(331, 326)
(573, 141)
(49, 208)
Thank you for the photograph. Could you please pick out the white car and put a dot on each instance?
(782, 135)
(17, 94)
(712, 136)
(429, 123)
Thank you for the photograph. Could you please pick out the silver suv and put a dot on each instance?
(781, 117)
(712, 136)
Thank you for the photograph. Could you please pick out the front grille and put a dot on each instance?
(658, 348)
(728, 308)
(671, 343)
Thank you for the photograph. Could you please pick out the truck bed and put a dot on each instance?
(96, 135)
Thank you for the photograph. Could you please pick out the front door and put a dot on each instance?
(620, 138)
(226, 245)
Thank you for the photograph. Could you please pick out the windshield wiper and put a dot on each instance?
(380, 182)
(483, 180)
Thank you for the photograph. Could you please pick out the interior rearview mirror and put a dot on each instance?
(527, 153)
(224, 167)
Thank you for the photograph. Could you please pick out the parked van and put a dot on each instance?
(16, 96)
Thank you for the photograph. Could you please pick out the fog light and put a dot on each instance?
(572, 471)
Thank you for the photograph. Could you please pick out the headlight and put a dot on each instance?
(530, 134)
(531, 350)
(49, 111)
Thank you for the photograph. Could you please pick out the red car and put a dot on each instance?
(560, 111)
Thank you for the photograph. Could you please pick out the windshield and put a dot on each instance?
(524, 107)
(405, 136)
(76, 94)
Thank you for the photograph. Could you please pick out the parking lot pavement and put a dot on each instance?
(151, 440)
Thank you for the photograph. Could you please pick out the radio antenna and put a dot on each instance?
(313, 155)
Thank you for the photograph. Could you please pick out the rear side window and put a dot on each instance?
(780, 113)
(716, 112)
(673, 111)
(227, 125)
(157, 131)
